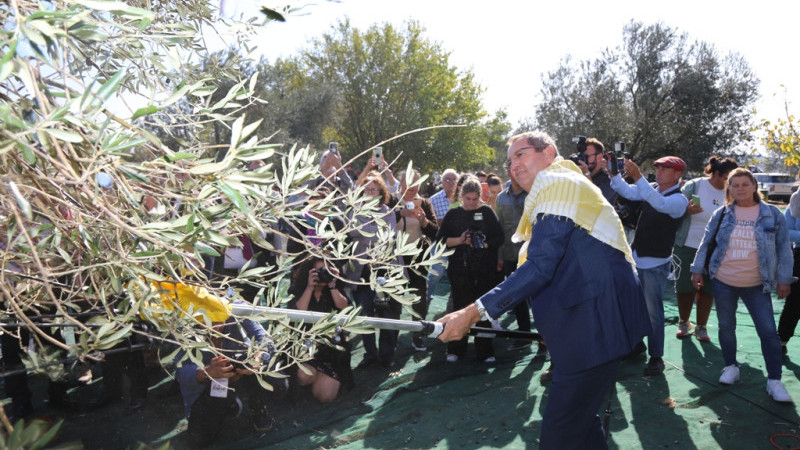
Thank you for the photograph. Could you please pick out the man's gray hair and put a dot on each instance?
(448, 170)
(537, 139)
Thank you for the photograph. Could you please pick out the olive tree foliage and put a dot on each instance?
(781, 138)
(95, 207)
(658, 91)
(364, 88)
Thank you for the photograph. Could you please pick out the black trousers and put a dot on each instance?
(125, 363)
(791, 307)
(466, 290)
(418, 282)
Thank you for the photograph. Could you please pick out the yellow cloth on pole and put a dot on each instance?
(562, 190)
(183, 295)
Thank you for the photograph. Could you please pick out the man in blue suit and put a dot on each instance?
(580, 282)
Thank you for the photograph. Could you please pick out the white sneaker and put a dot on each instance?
(777, 391)
(490, 360)
(730, 375)
(452, 358)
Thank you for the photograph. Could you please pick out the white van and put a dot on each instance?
(776, 186)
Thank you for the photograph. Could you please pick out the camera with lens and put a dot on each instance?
(478, 238)
(324, 276)
(238, 359)
(577, 157)
(476, 233)
(580, 143)
(616, 164)
(381, 301)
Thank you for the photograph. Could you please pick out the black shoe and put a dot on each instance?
(519, 345)
(654, 367)
(135, 406)
(62, 402)
(638, 350)
(389, 364)
(99, 402)
(547, 375)
(541, 349)
(263, 421)
(20, 411)
(418, 344)
(366, 362)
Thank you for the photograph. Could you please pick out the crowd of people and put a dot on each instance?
(526, 244)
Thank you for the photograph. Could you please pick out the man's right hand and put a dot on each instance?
(458, 323)
(219, 367)
(632, 170)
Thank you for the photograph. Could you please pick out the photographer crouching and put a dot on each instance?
(314, 288)
(217, 390)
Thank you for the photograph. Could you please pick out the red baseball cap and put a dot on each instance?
(671, 162)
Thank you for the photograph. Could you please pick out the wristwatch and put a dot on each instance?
(482, 310)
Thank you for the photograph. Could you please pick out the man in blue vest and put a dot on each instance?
(660, 217)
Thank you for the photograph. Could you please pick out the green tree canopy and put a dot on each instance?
(363, 88)
(659, 92)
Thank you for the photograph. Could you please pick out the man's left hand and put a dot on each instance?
(457, 323)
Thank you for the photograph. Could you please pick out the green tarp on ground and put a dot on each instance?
(425, 402)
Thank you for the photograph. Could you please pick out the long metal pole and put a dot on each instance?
(431, 329)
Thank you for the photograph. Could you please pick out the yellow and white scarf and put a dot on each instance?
(562, 190)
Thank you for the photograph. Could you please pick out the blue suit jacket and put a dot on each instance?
(586, 298)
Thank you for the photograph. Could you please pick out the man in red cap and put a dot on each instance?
(661, 212)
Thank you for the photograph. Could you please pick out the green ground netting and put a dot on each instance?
(426, 402)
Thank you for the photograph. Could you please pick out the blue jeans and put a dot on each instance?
(653, 281)
(435, 273)
(759, 305)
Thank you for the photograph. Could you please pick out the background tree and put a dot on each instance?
(368, 87)
(659, 92)
(781, 140)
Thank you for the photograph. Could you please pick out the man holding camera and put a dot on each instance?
(590, 314)
(593, 164)
(662, 208)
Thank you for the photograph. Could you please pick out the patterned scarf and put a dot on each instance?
(562, 190)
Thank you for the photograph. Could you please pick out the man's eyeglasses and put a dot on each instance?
(538, 148)
(448, 180)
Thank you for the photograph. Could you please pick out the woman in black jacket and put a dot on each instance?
(474, 233)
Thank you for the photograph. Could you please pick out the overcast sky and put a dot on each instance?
(509, 44)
